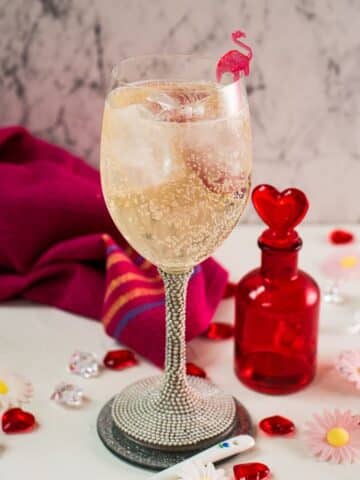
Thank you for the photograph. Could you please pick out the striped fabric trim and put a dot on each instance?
(126, 297)
(117, 257)
(128, 277)
(146, 265)
(113, 248)
(134, 313)
(119, 312)
(116, 254)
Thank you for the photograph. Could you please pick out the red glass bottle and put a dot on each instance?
(277, 305)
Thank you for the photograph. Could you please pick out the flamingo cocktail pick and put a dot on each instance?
(234, 61)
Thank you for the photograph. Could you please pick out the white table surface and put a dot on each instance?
(37, 341)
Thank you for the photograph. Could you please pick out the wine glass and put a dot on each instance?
(175, 170)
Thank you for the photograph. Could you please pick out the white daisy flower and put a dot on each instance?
(14, 390)
(198, 471)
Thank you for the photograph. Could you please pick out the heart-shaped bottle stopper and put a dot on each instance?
(281, 211)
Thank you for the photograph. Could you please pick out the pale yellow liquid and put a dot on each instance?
(174, 189)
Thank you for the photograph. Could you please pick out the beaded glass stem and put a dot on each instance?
(174, 410)
(175, 392)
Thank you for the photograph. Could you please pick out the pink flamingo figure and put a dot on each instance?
(234, 61)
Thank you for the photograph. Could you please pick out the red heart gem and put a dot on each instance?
(192, 369)
(119, 359)
(251, 471)
(340, 237)
(281, 211)
(277, 425)
(17, 420)
(219, 331)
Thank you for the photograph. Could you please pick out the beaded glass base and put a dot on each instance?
(131, 451)
(139, 412)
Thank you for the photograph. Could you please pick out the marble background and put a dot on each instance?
(55, 57)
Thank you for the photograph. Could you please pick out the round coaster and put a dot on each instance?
(131, 451)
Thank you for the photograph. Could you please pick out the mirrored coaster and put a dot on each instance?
(142, 455)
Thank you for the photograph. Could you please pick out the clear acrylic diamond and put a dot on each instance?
(68, 394)
(333, 294)
(84, 364)
(354, 327)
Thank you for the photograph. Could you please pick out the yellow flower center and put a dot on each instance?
(337, 437)
(350, 261)
(3, 388)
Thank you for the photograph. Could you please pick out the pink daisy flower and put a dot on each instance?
(348, 365)
(342, 264)
(335, 436)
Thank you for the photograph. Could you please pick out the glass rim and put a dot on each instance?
(227, 91)
(114, 71)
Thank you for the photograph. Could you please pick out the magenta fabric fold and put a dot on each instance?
(59, 246)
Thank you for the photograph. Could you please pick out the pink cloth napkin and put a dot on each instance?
(58, 246)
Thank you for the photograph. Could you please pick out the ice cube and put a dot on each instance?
(162, 101)
(140, 152)
(179, 106)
